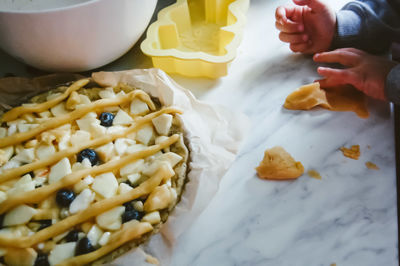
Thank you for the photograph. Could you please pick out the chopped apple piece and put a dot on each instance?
(107, 93)
(106, 152)
(131, 168)
(26, 127)
(122, 144)
(79, 137)
(19, 215)
(85, 122)
(111, 220)
(104, 239)
(123, 188)
(20, 256)
(97, 130)
(159, 198)
(5, 154)
(135, 148)
(45, 151)
(3, 196)
(170, 157)
(134, 178)
(3, 132)
(162, 123)
(45, 114)
(122, 118)
(94, 234)
(25, 155)
(145, 134)
(12, 129)
(105, 184)
(82, 201)
(59, 170)
(62, 252)
(24, 184)
(115, 129)
(59, 110)
(138, 107)
(73, 101)
(152, 217)
(11, 165)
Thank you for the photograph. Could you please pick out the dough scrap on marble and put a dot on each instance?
(371, 165)
(353, 152)
(314, 174)
(339, 98)
(307, 97)
(278, 164)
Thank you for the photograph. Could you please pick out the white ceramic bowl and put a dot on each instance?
(75, 38)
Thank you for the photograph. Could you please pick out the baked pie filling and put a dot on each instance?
(86, 173)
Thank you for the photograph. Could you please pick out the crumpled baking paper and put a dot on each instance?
(214, 135)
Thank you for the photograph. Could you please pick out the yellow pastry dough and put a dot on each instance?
(307, 97)
(340, 98)
(279, 164)
(371, 165)
(353, 152)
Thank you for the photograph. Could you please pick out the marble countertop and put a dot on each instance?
(348, 218)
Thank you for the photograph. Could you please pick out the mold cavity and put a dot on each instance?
(197, 27)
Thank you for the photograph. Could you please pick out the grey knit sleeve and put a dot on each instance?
(368, 25)
(392, 86)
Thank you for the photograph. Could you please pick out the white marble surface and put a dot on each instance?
(348, 218)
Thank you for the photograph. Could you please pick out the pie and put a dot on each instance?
(87, 173)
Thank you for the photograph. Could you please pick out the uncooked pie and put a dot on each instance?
(87, 173)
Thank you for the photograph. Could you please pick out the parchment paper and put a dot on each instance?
(214, 134)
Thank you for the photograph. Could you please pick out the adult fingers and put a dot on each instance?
(293, 37)
(341, 56)
(315, 5)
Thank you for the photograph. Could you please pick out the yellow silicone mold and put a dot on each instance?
(196, 38)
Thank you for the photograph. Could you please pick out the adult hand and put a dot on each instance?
(365, 72)
(308, 27)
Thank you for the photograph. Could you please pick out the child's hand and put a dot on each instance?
(308, 27)
(364, 71)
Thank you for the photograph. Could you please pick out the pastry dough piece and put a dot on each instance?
(353, 152)
(307, 97)
(371, 165)
(347, 98)
(339, 98)
(279, 164)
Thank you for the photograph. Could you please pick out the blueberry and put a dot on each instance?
(64, 197)
(128, 206)
(72, 236)
(42, 260)
(89, 154)
(106, 119)
(83, 246)
(130, 215)
(44, 224)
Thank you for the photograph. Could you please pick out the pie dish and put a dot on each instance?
(87, 173)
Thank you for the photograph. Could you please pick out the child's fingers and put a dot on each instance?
(293, 37)
(335, 77)
(300, 47)
(344, 57)
(290, 27)
(315, 5)
(280, 14)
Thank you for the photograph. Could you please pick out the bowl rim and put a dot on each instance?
(48, 10)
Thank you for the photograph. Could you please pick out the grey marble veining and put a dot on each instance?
(348, 218)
